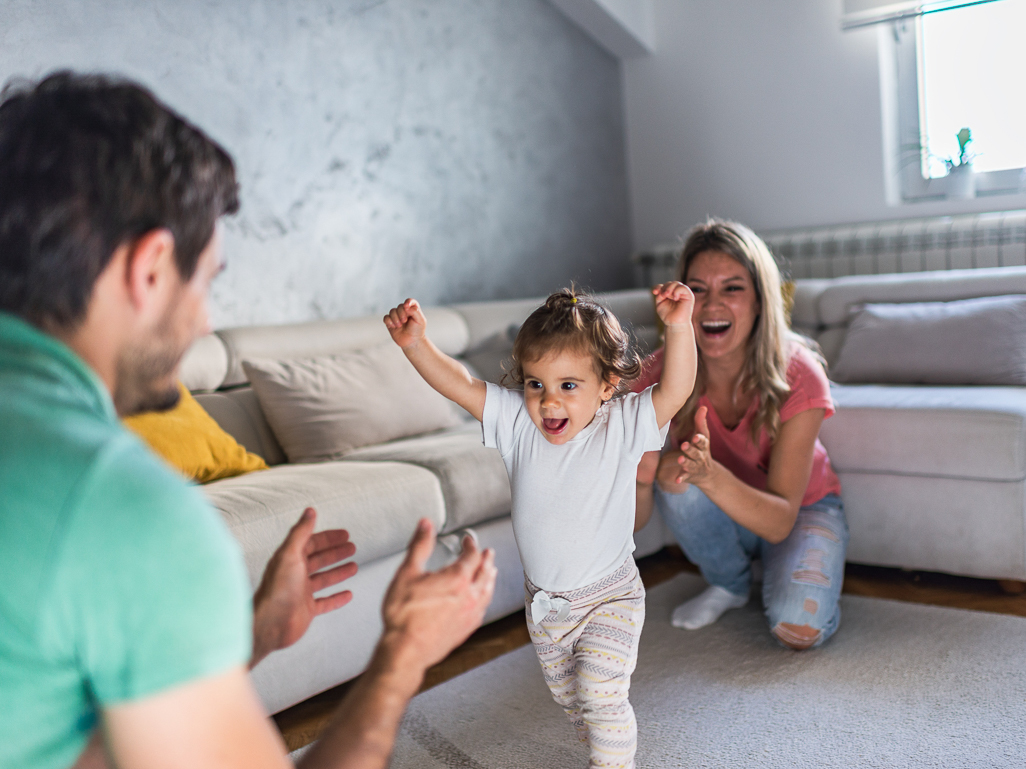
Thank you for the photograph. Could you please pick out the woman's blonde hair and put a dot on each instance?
(771, 341)
(574, 321)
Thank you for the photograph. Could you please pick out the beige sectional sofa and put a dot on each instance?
(934, 477)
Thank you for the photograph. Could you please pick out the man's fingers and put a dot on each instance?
(332, 602)
(330, 556)
(328, 538)
(486, 570)
(469, 562)
(420, 548)
(469, 544)
(302, 530)
(328, 547)
(331, 577)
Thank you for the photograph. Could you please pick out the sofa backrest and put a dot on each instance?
(480, 333)
(823, 308)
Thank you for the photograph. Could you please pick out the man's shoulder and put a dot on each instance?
(80, 489)
(54, 459)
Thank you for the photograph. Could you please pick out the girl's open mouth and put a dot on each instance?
(554, 426)
(715, 328)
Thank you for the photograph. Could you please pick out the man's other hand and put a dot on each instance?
(284, 604)
(428, 614)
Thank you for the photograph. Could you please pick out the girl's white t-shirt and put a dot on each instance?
(573, 504)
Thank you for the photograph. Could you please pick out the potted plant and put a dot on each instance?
(961, 182)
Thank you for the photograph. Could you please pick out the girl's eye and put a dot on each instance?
(534, 385)
(569, 386)
(696, 289)
(735, 287)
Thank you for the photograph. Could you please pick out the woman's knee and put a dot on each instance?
(802, 621)
(797, 637)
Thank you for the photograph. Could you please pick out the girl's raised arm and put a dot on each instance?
(674, 303)
(408, 327)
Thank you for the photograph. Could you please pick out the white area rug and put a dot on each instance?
(899, 685)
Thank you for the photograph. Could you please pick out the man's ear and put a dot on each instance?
(151, 273)
(609, 385)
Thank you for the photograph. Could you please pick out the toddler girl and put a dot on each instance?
(572, 453)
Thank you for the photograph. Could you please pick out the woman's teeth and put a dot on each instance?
(715, 326)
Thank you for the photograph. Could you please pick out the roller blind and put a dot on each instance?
(861, 13)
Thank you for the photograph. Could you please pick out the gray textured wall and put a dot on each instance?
(451, 150)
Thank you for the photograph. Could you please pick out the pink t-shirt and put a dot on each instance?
(734, 449)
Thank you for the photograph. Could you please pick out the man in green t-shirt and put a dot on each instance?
(126, 627)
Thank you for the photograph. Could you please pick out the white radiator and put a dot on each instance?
(907, 245)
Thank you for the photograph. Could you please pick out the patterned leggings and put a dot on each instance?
(588, 658)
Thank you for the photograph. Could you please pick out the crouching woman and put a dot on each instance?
(750, 478)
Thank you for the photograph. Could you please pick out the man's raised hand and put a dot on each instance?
(406, 323)
(428, 614)
(284, 604)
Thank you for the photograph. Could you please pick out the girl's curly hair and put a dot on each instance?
(575, 321)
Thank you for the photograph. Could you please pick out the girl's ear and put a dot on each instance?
(609, 385)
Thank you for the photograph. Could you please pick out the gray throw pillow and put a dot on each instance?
(321, 408)
(965, 342)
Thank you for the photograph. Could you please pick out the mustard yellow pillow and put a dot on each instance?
(189, 439)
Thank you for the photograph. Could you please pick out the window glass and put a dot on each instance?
(973, 75)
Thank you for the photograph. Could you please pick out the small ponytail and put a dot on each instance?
(570, 320)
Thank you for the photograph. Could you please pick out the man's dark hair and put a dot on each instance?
(89, 163)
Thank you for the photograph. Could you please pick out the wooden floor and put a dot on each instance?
(302, 723)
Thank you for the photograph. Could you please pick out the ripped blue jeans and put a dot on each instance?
(802, 575)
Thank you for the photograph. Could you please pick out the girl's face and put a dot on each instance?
(726, 307)
(562, 391)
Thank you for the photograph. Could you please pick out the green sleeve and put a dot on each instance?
(151, 585)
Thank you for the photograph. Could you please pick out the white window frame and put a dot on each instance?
(900, 51)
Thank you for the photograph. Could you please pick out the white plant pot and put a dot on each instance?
(961, 183)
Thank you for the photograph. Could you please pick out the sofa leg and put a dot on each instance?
(1012, 586)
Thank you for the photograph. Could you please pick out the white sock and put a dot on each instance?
(705, 608)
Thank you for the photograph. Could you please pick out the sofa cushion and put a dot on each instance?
(238, 412)
(842, 295)
(473, 478)
(379, 503)
(951, 432)
(329, 337)
(322, 408)
(969, 341)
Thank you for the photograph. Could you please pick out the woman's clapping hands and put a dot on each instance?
(693, 463)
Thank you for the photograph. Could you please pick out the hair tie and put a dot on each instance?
(575, 300)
